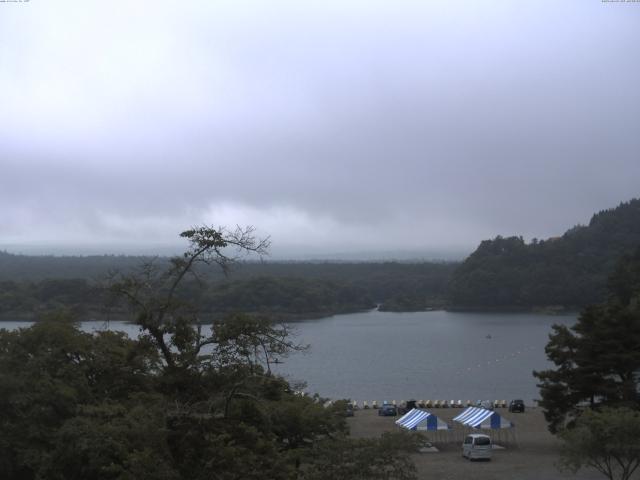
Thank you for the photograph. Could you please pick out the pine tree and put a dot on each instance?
(597, 359)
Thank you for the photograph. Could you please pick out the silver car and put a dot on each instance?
(477, 446)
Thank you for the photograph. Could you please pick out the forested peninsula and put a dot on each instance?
(29, 287)
(566, 272)
(506, 273)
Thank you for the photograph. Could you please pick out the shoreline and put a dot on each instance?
(207, 318)
(291, 317)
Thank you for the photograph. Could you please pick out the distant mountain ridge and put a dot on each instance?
(570, 271)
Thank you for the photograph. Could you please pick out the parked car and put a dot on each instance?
(477, 446)
(388, 410)
(349, 412)
(516, 406)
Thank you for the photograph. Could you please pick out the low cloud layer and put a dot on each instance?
(370, 126)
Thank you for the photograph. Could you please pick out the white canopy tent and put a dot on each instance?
(482, 418)
(421, 420)
(476, 417)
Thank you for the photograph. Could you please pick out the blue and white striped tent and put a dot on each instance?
(417, 419)
(476, 417)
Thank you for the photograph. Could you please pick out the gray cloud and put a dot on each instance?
(332, 127)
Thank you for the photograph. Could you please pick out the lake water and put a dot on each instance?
(424, 355)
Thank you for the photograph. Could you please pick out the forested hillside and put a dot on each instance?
(568, 271)
(31, 286)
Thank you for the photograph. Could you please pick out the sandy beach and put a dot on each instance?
(533, 456)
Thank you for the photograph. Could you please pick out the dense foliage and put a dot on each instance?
(179, 402)
(283, 291)
(598, 359)
(27, 300)
(279, 297)
(569, 271)
(282, 297)
(85, 406)
(606, 440)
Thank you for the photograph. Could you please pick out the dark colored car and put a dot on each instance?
(349, 412)
(516, 406)
(388, 410)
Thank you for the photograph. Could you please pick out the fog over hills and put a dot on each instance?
(276, 254)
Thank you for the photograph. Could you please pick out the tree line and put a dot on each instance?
(282, 291)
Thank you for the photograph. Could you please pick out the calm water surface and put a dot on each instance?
(424, 355)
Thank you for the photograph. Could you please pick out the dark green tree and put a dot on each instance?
(598, 358)
(605, 440)
(153, 292)
(227, 415)
(54, 380)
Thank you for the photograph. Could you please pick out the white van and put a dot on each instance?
(476, 446)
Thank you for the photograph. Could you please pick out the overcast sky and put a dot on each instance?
(333, 126)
